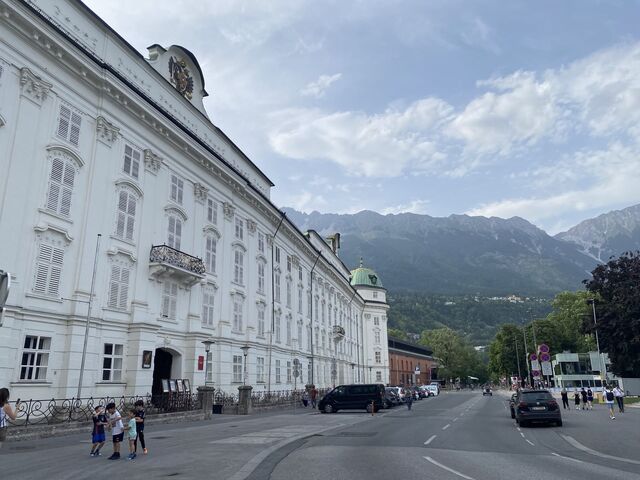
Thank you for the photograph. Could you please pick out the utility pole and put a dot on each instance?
(515, 340)
(603, 367)
(526, 353)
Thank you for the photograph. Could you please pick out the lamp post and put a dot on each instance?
(207, 348)
(245, 352)
(603, 367)
(370, 374)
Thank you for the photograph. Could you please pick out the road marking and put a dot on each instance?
(431, 438)
(530, 442)
(522, 434)
(444, 467)
(566, 458)
(584, 448)
(446, 426)
(455, 419)
(518, 428)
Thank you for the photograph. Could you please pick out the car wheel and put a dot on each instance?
(328, 408)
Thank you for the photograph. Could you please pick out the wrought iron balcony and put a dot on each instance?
(167, 261)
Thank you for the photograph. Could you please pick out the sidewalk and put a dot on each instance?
(226, 447)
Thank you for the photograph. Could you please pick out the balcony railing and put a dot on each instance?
(163, 254)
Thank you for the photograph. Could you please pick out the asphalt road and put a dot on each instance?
(456, 435)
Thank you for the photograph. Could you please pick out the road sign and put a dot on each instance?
(535, 373)
(535, 365)
(533, 357)
(544, 348)
(546, 369)
(545, 357)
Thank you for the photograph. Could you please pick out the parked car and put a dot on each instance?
(400, 392)
(536, 406)
(434, 389)
(368, 397)
(391, 398)
(487, 391)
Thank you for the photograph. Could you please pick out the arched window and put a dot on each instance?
(125, 222)
(174, 232)
(61, 181)
(210, 246)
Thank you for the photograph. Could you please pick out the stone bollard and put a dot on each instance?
(245, 404)
(205, 395)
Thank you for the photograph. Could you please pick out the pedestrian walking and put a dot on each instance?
(608, 398)
(565, 398)
(590, 398)
(583, 394)
(117, 429)
(305, 399)
(314, 396)
(619, 394)
(409, 399)
(576, 399)
(6, 411)
(139, 407)
(97, 434)
(132, 433)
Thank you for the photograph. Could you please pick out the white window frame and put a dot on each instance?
(378, 376)
(299, 332)
(169, 300)
(261, 242)
(261, 321)
(176, 189)
(289, 372)
(376, 335)
(289, 328)
(278, 329)
(210, 253)
(288, 293)
(261, 269)
(238, 266)
(378, 357)
(69, 125)
(276, 288)
(212, 211)
(35, 358)
(300, 294)
(48, 271)
(62, 179)
(118, 296)
(259, 369)
(174, 231)
(239, 229)
(289, 262)
(126, 214)
(208, 306)
(376, 321)
(131, 161)
(237, 369)
(278, 377)
(237, 313)
(277, 254)
(112, 360)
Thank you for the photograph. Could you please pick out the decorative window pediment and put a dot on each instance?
(175, 209)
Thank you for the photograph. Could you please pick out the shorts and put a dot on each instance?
(118, 438)
(98, 437)
(133, 438)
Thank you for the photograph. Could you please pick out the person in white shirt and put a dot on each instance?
(608, 398)
(619, 394)
(117, 429)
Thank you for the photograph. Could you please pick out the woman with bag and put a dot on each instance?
(6, 411)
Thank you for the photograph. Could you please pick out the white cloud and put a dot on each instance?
(319, 87)
(415, 206)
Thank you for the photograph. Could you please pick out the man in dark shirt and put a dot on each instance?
(140, 426)
(97, 435)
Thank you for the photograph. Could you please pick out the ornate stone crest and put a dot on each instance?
(180, 76)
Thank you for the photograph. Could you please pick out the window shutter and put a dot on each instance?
(42, 268)
(172, 313)
(67, 188)
(178, 233)
(165, 305)
(57, 172)
(57, 260)
(74, 136)
(113, 286)
(171, 232)
(127, 159)
(63, 122)
(122, 209)
(131, 211)
(124, 287)
(135, 166)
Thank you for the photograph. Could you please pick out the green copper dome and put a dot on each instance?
(362, 276)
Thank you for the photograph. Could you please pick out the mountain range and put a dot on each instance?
(465, 255)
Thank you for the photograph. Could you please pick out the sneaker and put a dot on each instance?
(97, 454)
(113, 457)
(613, 418)
(92, 454)
(145, 451)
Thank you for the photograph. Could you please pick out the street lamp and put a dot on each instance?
(245, 352)
(207, 348)
(603, 367)
(370, 374)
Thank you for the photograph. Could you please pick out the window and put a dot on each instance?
(300, 334)
(212, 211)
(288, 264)
(277, 287)
(238, 267)
(378, 376)
(174, 234)
(35, 358)
(48, 270)
(261, 242)
(119, 287)
(169, 299)
(60, 191)
(277, 254)
(239, 229)
(377, 337)
(112, 363)
(260, 322)
(260, 369)
(376, 321)
(237, 368)
(69, 125)
(278, 379)
(131, 164)
(177, 188)
(309, 338)
(309, 304)
(237, 314)
(288, 331)
(378, 357)
(300, 273)
(288, 293)
(208, 302)
(323, 313)
(289, 377)
(210, 253)
(300, 300)
(260, 277)
(375, 294)
(277, 327)
(126, 214)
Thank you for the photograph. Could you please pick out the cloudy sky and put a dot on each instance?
(436, 107)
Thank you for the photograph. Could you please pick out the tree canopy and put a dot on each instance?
(616, 289)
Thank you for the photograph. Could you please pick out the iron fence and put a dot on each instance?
(69, 410)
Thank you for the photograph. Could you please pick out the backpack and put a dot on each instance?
(609, 396)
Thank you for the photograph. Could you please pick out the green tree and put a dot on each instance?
(617, 287)
(397, 333)
(456, 357)
(506, 350)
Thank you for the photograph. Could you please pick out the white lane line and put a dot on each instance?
(446, 426)
(431, 439)
(584, 448)
(444, 467)
(518, 428)
(522, 434)
(566, 458)
(455, 419)
(530, 442)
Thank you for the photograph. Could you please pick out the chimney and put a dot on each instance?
(334, 242)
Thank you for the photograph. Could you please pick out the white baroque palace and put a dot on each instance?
(97, 140)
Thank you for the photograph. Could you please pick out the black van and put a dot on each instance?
(353, 397)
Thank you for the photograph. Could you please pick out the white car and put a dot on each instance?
(433, 389)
